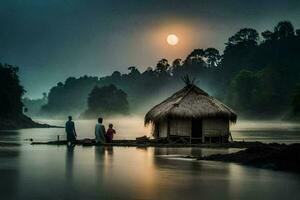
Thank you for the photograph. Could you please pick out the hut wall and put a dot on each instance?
(215, 127)
(180, 127)
(163, 129)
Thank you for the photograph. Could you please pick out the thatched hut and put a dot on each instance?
(192, 114)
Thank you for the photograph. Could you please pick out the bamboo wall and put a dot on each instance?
(182, 127)
(163, 129)
(215, 127)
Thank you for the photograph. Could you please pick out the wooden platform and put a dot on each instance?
(151, 143)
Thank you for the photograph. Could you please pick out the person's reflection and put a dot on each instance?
(103, 159)
(99, 154)
(69, 161)
(109, 150)
(99, 165)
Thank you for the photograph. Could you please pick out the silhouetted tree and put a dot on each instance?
(134, 72)
(162, 65)
(195, 57)
(10, 91)
(107, 100)
(69, 97)
(268, 35)
(245, 37)
(177, 63)
(213, 57)
(284, 29)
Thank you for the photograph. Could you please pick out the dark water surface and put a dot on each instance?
(60, 172)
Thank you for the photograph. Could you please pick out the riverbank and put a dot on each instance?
(269, 156)
(21, 121)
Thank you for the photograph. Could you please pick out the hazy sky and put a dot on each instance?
(51, 40)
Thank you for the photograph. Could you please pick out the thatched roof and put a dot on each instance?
(190, 102)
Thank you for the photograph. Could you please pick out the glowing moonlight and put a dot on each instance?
(172, 39)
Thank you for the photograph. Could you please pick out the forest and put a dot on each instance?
(258, 75)
(11, 106)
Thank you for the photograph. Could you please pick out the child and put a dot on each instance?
(110, 133)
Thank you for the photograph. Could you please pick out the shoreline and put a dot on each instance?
(21, 122)
(268, 156)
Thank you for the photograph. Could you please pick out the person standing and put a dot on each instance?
(70, 131)
(110, 133)
(100, 131)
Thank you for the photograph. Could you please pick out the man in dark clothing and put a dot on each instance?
(70, 130)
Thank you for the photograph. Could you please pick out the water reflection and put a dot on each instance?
(60, 172)
(69, 161)
(134, 173)
(9, 171)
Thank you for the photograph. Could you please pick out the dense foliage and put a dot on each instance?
(10, 91)
(106, 101)
(69, 97)
(267, 88)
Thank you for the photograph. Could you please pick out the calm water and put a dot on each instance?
(59, 172)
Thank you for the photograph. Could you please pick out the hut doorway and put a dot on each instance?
(197, 128)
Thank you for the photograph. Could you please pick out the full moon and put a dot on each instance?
(172, 39)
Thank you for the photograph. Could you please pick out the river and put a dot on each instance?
(60, 172)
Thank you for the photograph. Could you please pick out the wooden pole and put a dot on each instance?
(168, 127)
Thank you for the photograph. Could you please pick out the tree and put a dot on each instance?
(116, 74)
(212, 56)
(268, 35)
(242, 87)
(195, 57)
(134, 72)
(106, 101)
(11, 91)
(239, 51)
(176, 63)
(245, 37)
(162, 65)
(69, 97)
(284, 29)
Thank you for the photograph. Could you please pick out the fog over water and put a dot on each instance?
(130, 127)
